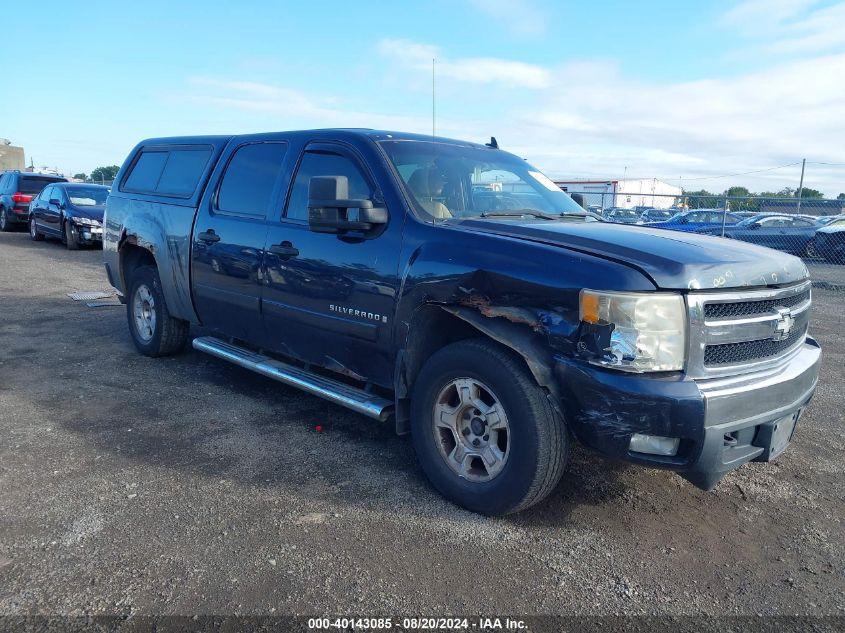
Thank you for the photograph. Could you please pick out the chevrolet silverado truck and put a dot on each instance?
(452, 290)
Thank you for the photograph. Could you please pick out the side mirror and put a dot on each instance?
(755, 225)
(55, 202)
(330, 210)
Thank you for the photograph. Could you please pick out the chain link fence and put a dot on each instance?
(813, 229)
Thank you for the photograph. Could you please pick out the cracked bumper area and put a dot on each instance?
(722, 423)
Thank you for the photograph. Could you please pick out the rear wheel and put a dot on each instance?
(34, 233)
(5, 223)
(484, 432)
(153, 330)
(71, 239)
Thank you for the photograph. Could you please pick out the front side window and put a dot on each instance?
(325, 163)
(250, 179)
(446, 180)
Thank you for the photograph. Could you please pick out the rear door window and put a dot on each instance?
(250, 179)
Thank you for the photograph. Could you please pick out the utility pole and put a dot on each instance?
(801, 185)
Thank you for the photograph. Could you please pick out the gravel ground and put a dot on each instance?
(186, 485)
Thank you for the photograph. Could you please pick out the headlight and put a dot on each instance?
(85, 221)
(636, 331)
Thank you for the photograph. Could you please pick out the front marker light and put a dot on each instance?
(646, 330)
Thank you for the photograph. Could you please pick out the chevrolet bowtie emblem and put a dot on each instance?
(784, 324)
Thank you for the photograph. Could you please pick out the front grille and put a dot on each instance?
(749, 351)
(743, 309)
(735, 330)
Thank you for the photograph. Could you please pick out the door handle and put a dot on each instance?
(285, 249)
(209, 236)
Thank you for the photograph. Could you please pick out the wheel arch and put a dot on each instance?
(434, 326)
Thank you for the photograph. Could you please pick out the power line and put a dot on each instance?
(744, 173)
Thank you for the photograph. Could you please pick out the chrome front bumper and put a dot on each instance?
(743, 413)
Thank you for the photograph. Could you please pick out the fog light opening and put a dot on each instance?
(654, 444)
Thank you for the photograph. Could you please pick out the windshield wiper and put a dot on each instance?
(519, 214)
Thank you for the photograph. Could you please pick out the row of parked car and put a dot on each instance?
(53, 207)
(803, 235)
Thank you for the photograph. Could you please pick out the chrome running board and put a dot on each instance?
(335, 391)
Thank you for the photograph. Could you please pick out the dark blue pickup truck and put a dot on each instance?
(452, 289)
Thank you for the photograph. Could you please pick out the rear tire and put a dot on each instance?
(5, 223)
(34, 233)
(472, 391)
(154, 332)
(71, 241)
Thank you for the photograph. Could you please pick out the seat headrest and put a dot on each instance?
(426, 182)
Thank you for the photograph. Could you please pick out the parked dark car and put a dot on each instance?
(657, 215)
(697, 220)
(829, 242)
(824, 220)
(17, 188)
(624, 216)
(72, 212)
(368, 268)
(789, 233)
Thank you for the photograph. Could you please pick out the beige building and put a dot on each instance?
(11, 157)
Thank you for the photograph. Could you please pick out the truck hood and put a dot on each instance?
(672, 260)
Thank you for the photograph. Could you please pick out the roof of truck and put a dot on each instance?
(327, 133)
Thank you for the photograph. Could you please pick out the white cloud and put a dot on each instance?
(482, 70)
(789, 26)
(584, 118)
(518, 16)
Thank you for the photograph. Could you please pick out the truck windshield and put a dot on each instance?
(448, 180)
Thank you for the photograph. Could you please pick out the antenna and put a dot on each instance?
(432, 98)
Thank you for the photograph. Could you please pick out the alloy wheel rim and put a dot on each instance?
(144, 312)
(32, 229)
(471, 429)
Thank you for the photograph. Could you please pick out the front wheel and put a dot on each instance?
(71, 239)
(153, 330)
(484, 432)
(34, 233)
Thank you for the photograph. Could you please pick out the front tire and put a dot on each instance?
(484, 432)
(34, 233)
(71, 240)
(154, 332)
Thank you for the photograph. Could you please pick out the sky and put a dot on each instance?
(687, 92)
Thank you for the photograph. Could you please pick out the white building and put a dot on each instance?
(628, 194)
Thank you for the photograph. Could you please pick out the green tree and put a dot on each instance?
(841, 196)
(81, 176)
(701, 199)
(737, 191)
(104, 174)
(807, 193)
